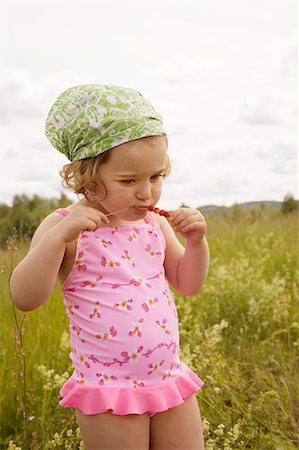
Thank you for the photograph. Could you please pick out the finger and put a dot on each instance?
(95, 215)
(196, 223)
(104, 218)
(184, 212)
(196, 226)
(183, 223)
(98, 217)
(178, 217)
(181, 218)
(91, 226)
(177, 213)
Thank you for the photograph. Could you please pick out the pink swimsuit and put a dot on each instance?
(123, 325)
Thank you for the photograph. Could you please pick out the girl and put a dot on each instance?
(114, 258)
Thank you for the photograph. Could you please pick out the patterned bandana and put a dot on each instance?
(90, 119)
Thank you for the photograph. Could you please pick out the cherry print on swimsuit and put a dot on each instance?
(130, 355)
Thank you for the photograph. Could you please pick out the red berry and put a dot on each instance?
(156, 210)
(162, 212)
(167, 214)
(151, 207)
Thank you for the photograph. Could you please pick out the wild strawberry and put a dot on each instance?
(158, 211)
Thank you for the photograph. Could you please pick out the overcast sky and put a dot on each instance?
(222, 74)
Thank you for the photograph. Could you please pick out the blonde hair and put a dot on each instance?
(83, 176)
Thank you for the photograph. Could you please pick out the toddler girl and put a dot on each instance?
(114, 258)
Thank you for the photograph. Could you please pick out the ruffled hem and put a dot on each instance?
(121, 401)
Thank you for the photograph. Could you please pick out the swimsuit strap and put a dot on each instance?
(149, 219)
(62, 211)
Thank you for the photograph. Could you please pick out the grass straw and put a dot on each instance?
(20, 350)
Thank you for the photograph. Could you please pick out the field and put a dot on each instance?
(239, 334)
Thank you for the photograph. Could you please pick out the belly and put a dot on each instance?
(125, 340)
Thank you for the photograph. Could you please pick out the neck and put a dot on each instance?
(93, 204)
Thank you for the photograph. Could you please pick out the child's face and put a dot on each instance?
(133, 176)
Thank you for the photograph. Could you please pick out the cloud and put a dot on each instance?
(25, 98)
(278, 156)
(225, 150)
(22, 96)
(283, 168)
(60, 80)
(237, 170)
(278, 148)
(264, 108)
(288, 62)
(182, 68)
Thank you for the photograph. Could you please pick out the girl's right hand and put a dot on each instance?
(80, 218)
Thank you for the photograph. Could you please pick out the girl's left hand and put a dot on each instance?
(189, 223)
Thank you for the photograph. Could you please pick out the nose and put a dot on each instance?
(144, 191)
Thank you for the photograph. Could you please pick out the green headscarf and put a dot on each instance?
(90, 119)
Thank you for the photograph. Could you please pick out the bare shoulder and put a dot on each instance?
(165, 226)
(167, 230)
(50, 221)
(68, 260)
(160, 220)
(173, 253)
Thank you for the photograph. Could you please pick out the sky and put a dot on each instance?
(223, 75)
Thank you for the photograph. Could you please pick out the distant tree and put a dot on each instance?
(20, 200)
(26, 213)
(4, 210)
(289, 204)
(64, 200)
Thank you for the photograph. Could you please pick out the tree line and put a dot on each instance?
(26, 213)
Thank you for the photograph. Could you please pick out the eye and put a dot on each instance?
(127, 181)
(157, 177)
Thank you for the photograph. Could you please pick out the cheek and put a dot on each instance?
(157, 189)
(101, 192)
(118, 193)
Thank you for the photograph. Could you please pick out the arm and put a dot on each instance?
(34, 278)
(186, 268)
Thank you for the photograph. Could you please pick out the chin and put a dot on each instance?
(138, 215)
(133, 215)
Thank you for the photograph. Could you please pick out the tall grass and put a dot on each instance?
(239, 334)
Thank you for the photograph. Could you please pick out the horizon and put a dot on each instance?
(31, 196)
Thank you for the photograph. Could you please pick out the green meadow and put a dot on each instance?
(240, 334)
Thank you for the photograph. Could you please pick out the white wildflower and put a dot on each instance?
(220, 430)
(12, 446)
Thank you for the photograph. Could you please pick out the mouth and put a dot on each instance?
(141, 208)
